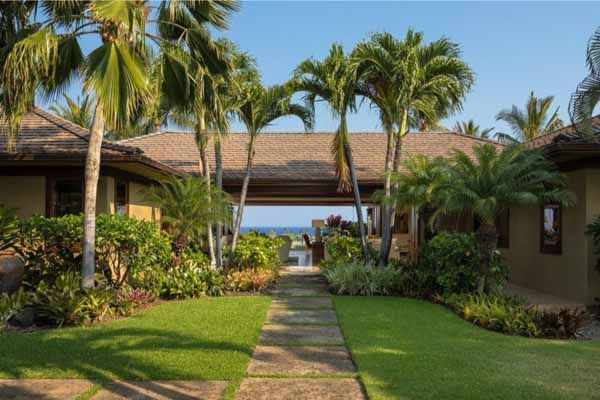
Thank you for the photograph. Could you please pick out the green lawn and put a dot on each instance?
(209, 338)
(409, 349)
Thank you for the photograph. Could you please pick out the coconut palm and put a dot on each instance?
(535, 120)
(472, 129)
(493, 181)
(587, 95)
(259, 107)
(335, 80)
(48, 55)
(409, 80)
(187, 205)
(79, 111)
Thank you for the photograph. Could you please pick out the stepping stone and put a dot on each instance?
(270, 360)
(302, 303)
(299, 291)
(305, 285)
(313, 270)
(302, 316)
(289, 278)
(300, 389)
(46, 389)
(162, 390)
(300, 335)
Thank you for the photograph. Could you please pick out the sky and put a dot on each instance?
(513, 48)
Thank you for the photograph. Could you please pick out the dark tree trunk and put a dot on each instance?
(487, 241)
(386, 229)
(219, 185)
(357, 201)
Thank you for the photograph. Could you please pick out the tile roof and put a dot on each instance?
(551, 137)
(296, 156)
(43, 133)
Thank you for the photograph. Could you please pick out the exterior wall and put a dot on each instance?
(106, 195)
(25, 193)
(138, 207)
(564, 275)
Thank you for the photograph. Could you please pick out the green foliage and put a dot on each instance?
(188, 281)
(584, 100)
(451, 261)
(256, 251)
(593, 230)
(357, 279)
(343, 248)
(9, 228)
(11, 304)
(504, 314)
(472, 129)
(79, 111)
(251, 279)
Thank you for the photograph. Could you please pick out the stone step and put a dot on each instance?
(303, 279)
(300, 335)
(302, 316)
(289, 361)
(300, 389)
(162, 390)
(43, 389)
(302, 303)
(299, 292)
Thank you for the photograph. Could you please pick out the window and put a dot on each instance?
(66, 196)
(121, 197)
(551, 229)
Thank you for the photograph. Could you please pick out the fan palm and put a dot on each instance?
(409, 80)
(79, 111)
(335, 80)
(534, 121)
(493, 181)
(259, 107)
(587, 95)
(48, 55)
(472, 129)
(187, 205)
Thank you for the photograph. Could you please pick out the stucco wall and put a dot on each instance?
(566, 274)
(140, 208)
(26, 193)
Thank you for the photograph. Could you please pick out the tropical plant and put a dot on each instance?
(336, 80)
(257, 251)
(9, 228)
(259, 107)
(410, 82)
(47, 54)
(472, 129)
(494, 180)
(535, 120)
(187, 207)
(587, 95)
(79, 111)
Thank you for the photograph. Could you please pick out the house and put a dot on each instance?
(546, 247)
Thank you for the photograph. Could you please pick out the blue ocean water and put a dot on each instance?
(279, 230)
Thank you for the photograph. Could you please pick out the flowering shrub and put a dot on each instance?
(343, 248)
(336, 222)
(250, 280)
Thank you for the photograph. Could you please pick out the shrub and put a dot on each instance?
(257, 252)
(343, 248)
(452, 261)
(11, 305)
(9, 228)
(504, 314)
(593, 230)
(251, 279)
(562, 324)
(187, 281)
(356, 278)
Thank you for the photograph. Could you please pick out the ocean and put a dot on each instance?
(279, 230)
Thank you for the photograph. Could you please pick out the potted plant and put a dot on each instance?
(11, 265)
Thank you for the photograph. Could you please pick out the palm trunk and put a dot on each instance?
(219, 185)
(386, 229)
(487, 241)
(92, 173)
(246, 182)
(202, 141)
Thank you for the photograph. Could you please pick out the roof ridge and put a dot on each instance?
(558, 130)
(147, 136)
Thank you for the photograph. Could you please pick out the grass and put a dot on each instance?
(206, 339)
(409, 349)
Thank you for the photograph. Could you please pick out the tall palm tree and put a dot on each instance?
(535, 120)
(408, 79)
(587, 95)
(79, 111)
(493, 181)
(472, 129)
(261, 106)
(48, 54)
(335, 80)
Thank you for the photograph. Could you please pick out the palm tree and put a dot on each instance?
(48, 54)
(472, 129)
(409, 80)
(335, 80)
(493, 181)
(79, 111)
(187, 205)
(261, 106)
(587, 95)
(534, 121)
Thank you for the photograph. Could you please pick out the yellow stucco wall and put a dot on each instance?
(565, 275)
(139, 207)
(25, 193)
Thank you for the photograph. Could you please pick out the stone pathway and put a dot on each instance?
(301, 352)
